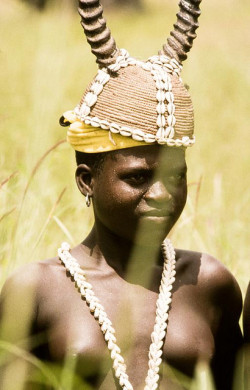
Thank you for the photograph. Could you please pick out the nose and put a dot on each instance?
(157, 192)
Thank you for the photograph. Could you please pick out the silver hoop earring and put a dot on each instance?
(88, 200)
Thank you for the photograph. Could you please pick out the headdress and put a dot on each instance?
(132, 102)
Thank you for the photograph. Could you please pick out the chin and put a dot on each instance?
(153, 231)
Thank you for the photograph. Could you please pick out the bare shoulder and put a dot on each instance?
(27, 276)
(224, 287)
(213, 279)
(37, 277)
(21, 295)
(27, 285)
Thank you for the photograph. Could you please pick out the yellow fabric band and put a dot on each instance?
(88, 139)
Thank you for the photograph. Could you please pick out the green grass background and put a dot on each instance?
(45, 65)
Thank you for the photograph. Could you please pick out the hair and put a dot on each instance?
(93, 160)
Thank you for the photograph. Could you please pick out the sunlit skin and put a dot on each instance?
(137, 197)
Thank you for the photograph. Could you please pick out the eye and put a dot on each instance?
(137, 178)
(178, 177)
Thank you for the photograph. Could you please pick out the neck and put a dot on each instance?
(135, 262)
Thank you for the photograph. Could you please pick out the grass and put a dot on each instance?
(45, 65)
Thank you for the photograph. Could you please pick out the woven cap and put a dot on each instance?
(143, 100)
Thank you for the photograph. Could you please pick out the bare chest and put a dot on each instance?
(72, 330)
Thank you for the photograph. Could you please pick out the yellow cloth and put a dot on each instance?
(88, 139)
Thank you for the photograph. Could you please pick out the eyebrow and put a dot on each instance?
(180, 167)
(136, 169)
(173, 166)
(151, 170)
(169, 170)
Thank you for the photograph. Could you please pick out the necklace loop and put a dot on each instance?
(96, 308)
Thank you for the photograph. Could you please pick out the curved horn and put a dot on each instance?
(181, 38)
(98, 35)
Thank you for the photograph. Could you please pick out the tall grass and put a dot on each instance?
(45, 65)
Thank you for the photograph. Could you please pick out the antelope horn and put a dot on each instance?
(98, 35)
(181, 38)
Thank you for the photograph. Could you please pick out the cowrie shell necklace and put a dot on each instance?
(98, 311)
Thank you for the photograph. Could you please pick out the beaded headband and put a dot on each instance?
(142, 100)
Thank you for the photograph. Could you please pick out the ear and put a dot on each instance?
(84, 179)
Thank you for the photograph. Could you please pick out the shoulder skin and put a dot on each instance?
(216, 293)
(213, 279)
(225, 296)
(19, 299)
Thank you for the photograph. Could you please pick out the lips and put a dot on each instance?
(158, 213)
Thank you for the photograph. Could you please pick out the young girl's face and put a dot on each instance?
(145, 185)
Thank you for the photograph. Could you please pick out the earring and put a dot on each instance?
(88, 200)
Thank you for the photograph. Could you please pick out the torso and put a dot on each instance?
(73, 331)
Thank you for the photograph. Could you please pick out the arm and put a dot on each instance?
(246, 316)
(228, 337)
(246, 330)
(17, 316)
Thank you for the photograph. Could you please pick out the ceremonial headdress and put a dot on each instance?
(132, 102)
